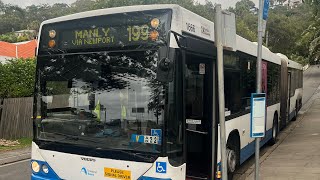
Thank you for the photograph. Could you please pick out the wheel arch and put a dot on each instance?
(276, 114)
(234, 137)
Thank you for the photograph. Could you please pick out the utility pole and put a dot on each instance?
(267, 38)
(259, 76)
(218, 25)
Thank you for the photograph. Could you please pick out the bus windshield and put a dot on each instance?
(108, 100)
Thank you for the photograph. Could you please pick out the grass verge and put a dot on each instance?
(24, 142)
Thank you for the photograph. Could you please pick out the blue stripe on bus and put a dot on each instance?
(249, 149)
(152, 178)
(51, 175)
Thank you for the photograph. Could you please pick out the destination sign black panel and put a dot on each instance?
(115, 30)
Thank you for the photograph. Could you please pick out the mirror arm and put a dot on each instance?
(178, 38)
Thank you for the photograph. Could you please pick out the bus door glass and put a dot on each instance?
(288, 96)
(198, 109)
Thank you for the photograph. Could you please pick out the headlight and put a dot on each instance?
(35, 166)
(45, 169)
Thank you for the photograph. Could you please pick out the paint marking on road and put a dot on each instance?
(5, 165)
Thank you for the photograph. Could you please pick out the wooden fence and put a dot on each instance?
(15, 118)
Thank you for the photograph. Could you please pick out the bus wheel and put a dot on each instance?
(275, 130)
(295, 112)
(233, 157)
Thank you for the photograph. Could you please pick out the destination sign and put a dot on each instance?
(113, 30)
(110, 36)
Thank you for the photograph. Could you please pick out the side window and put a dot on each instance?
(292, 87)
(232, 84)
(273, 93)
(248, 80)
(301, 78)
(240, 82)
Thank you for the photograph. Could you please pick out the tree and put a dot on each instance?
(82, 5)
(11, 18)
(8, 37)
(243, 7)
(312, 33)
(17, 78)
(246, 21)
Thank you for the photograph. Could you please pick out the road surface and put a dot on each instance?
(311, 81)
(16, 171)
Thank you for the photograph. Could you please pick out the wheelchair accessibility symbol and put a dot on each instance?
(161, 167)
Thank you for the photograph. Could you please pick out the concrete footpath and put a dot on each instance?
(7, 157)
(297, 156)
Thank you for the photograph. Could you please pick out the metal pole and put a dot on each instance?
(259, 62)
(218, 40)
(267, 38)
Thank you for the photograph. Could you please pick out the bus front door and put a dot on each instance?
(199, 111)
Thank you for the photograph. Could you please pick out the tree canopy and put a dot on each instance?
(17, 78)
(292, 31)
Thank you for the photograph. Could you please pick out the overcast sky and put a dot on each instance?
(24, 3)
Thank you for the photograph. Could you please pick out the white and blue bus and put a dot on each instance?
(131, 93)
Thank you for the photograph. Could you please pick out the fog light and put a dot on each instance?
(35, 166)
(45, 169)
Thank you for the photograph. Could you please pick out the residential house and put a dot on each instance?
(25, 49)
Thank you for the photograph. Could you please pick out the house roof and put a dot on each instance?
(18, 50)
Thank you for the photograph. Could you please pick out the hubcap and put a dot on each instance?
(232, 160)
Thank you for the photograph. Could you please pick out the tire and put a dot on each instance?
(275, 130)
(233, 156)
(296, 110)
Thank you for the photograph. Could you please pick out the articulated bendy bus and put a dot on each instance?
(131, 93)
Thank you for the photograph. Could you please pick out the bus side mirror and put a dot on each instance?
(165, 70)
(165, 66)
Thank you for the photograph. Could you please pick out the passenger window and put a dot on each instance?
(248, 81)
(232, 85)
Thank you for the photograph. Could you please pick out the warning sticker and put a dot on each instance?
(117, 173)
(193, 121)
(202, 68)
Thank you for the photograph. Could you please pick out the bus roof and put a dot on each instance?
(179, 19)
(100, 12)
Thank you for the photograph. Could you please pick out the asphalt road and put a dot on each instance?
(311, 81)
(21, 170)
(16, 171)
